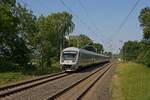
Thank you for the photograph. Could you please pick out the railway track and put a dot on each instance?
(56, 86)
(21, 86)
(78, 89)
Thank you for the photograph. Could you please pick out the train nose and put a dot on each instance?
(68, 62)
(68, 67)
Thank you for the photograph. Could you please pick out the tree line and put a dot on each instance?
(83, 41)
(139, 51)
(26, 39)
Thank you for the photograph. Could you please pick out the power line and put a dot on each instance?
(91, 22)
(80, 20)
(103, 38)
(126, 18)
(124, 21)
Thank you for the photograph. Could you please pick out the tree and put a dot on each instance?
(14, 20)
(140, 51)
(146, 58)
(52, 30)
(130, 50)
(7, 32)
(79, 41)
(108, 53)
(26, 23)
(10, 3)
(144, 19)
(99, 47)
(73, 41)
(83, 41)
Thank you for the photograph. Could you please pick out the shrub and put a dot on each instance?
(146, 58)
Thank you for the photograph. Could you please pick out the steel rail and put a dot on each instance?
(14, 88)
(59, 93)
(93, 83)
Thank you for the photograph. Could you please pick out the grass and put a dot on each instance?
(131, 82)
(15, 75)
(12, 77)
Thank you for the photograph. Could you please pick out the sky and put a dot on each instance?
(98, 19)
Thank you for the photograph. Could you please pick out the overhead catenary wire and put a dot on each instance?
(104, 39)
(77, 17)
(91, 22)
(123, 23)
(125, 19)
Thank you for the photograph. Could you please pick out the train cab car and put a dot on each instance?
(69, 59)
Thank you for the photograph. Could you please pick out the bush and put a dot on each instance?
(141, 57)
(7, 65)
(146, 58)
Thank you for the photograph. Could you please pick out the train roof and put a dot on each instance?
(71, 49)
(82, 50)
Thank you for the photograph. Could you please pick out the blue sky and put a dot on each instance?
(106, 15)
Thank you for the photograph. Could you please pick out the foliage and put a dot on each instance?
(108, 53)
(27, 24)
(26, 40)
(136, 51)
(89, 47)
(99, 47)
(139, 51)
(130, 50)
(144, 19)
(28, 43)
(146, 58)
(146, 32)
(144, 55)
(83, 41)
(13, 46)
(52, 29)
(9, 3)
(79, 41)
(73, 41)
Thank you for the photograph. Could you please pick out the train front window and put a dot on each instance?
(69, 56)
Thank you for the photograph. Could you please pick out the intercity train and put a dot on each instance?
(72, 58)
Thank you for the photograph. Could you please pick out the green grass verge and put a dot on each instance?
(9, 77)
(131, 82)
(13, 76)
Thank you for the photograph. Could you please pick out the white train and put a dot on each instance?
(72, 58)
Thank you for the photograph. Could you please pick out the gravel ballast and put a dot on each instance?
(45, 90)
